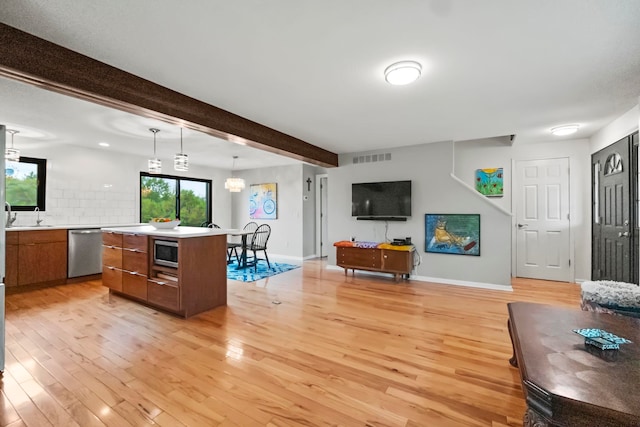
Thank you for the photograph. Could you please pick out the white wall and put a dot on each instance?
(428, 166)
(490, 153)
(286, 239)
(95, 186)
(624, 125)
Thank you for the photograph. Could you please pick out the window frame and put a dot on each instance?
(177, 205)
(41, 190)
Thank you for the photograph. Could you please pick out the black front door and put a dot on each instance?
(614, 227)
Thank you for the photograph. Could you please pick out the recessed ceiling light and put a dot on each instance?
(103, 144)
(564, 130)
(402, 73)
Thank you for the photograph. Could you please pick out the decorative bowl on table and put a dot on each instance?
(164, 223)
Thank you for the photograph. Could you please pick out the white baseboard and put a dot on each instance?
(439, 280)
(290, 258)
(492, 286)
(285, 258)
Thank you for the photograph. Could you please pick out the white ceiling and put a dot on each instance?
(314, 70)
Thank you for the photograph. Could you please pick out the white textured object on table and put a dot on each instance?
(608, 292)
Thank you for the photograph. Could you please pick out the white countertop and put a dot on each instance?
(67, 227)
(178, 232)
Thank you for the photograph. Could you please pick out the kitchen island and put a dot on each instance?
(181, 270)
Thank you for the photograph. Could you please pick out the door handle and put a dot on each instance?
(623, 234)
(523, 225)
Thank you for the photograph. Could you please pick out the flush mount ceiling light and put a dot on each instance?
(181, 160)
(12, 154)
(234, 185)
(403, 73)
(155, 164)
(564, 130)
(103, 144)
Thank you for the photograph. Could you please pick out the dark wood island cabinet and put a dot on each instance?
(197, 283)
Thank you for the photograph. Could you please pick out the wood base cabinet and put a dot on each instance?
(398, 263)
(125, 263)
(36, 257)
(198, 284)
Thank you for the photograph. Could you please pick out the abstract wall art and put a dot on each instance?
(457, 234)
(263, 201)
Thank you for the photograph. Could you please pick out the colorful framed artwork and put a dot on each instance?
(489, 182)
(263, 201)
(457, 234)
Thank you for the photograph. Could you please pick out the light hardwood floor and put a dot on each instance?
(337, 350)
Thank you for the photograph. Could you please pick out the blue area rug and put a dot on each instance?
(248, 275)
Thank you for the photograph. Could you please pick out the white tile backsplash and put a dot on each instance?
(76, 193)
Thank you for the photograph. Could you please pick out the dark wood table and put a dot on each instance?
(243, 255)
(567, 383)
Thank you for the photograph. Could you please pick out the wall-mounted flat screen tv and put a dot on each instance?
(381, 200)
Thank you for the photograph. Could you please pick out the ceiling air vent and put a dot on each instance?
(370, 158)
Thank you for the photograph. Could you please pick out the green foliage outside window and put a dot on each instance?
(22, 191)
(158, 199)
(25, 183)
(193, 209)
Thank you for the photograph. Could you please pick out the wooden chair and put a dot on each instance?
(258, 243)
(232, 247)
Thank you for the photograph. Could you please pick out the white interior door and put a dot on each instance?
(322, 215)
(542, 219)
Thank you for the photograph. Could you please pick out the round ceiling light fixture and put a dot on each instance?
(403, 72)
(564, 130)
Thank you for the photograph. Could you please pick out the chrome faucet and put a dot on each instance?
(38, 220)
(10, 220)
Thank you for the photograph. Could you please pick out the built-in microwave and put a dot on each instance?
(165, 252)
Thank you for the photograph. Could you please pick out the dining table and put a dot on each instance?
(242, 264)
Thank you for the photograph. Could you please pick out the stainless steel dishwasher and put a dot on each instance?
(85, 252)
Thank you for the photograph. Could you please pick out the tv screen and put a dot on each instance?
(381, 199)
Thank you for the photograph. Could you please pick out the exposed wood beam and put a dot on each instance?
(33, 60)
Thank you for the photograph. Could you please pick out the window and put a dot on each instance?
(25, 183)
(166, 196)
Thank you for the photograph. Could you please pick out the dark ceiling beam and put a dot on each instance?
(33, 60)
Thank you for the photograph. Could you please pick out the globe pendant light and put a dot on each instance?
(155, 164)
(12, 154)
(181, 160)
(234, 185)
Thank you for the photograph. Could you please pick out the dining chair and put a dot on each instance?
(258, 243)
(212, 225)
(232, 247)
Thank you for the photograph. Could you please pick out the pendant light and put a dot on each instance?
(234, 185)
(181, 160)
(155, 164)
(12, 154)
